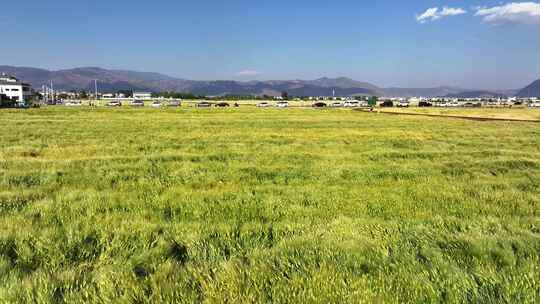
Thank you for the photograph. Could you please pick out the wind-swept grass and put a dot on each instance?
(266, 205)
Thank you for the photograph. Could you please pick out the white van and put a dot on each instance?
(351, 104)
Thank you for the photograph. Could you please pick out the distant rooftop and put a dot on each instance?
(10, 80)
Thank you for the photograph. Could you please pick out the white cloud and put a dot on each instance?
(449, 11)
(248, 73)
(429, 14)
(515, 12)
(432, 14)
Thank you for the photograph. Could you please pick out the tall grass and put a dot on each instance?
(251, 205)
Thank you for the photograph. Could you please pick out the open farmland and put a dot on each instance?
(251, 205)
(515, 113)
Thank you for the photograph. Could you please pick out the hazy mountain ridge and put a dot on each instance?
(341, 82)
(410, 92)
(114, 80)
(477, 94)
(532, 90)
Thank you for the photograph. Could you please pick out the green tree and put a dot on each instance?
(372, 101)
(4, 101)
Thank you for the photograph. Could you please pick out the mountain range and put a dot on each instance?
(115, 80)
(532, 90)
(481, 93)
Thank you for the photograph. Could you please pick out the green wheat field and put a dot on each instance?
(266, 206)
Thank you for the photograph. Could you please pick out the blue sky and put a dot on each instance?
(383, 42)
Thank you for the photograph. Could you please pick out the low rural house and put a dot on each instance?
(13, 89)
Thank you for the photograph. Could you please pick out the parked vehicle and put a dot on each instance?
(534, 105)
(363, 103)
(351, 104)
(156, 104)
(204, 104)
(21, 105)
(319, 104)
(425, 104)
(472, 105)
(137, 103)
(387, 104)
(282, 104)
(263, 104)
(403, 104)
(73, 103)
(114, 103)
(175, 103)
(337, 105)
(222, 105)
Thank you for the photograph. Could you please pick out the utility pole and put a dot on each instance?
(95, 89)
(52, 91)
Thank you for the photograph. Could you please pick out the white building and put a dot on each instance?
(113, 95)
(142, 95)
(14, 89)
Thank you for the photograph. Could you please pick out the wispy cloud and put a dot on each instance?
(515, 12)
(434, 13)
(450, 11)
(431, 14)
(246, 73)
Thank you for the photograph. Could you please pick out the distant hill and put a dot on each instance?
(509, 93)
(532, 90)
(115, 80)
(341, 82)
(423, 92)
(476, 94)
